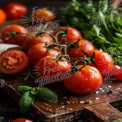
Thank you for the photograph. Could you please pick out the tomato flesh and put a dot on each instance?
(13, 62)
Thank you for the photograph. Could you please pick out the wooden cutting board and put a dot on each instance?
(99, 106)
(103, 105)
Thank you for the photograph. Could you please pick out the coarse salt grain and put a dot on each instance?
(82, 101)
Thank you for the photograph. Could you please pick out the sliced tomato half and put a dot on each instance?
(13, 62)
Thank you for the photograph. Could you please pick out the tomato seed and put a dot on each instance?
(4, 64)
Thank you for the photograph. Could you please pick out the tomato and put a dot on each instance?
(103, 60)
(87, 80)
(2, 16)
(15, 10)
(117, 72)
(13, 34)
(84, 45)
(32, 40)
(13, 62)
(50, 70)
(21, 120)
(39, 50)
(72, 35)
(42, 15)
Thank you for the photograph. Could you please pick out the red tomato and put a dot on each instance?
(72, 35)
(15, 10)
(13, 34)
(39, 50)
(51, 70)
(117, 72)
(2, 16)
(75, 52)
(84, 81)
(42, 15)
(13, 62)
(32, 40)
(103, 60)
(21, 120)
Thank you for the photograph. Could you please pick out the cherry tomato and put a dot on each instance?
(14, 34)
(71, 35)
(42, 15)
(87, 80)
(51, 70)
(15, 10)
(103, 61)
(32, 40)
(2, 16)
(13, 62)
(39, 50)
(21, 120)
(84, 45)
(117, 72)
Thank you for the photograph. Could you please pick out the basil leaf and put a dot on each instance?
(35, 90)
(26, 101)
(47, 94)
(23, 89)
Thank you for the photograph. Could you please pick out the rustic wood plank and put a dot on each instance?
(68, 103)
(102, 112)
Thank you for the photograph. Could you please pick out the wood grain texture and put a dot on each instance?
(96, 103)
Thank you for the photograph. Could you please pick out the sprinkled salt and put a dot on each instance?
(102, 90)
(65, 97)
(109, 86)
(118, 88)
(67, 102)
(97, 98)
(88, 101)
(82, 102)
(63, 106)
(70, 109)
(97, 92)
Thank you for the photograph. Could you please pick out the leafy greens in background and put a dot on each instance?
(99, 22)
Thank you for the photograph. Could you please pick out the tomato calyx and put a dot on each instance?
(12, 34)
(73, 45)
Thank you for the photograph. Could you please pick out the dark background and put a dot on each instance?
(32, 3)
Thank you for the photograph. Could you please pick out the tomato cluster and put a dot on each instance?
(60, 54)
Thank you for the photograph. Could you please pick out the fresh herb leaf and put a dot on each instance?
(47, 94)
(26, 101)
(23, 89)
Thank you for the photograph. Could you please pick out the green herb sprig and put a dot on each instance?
(98, 22)
(29, 94)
